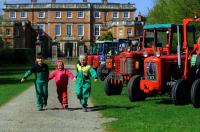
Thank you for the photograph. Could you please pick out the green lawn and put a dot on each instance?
(10, 85)
(155, 114)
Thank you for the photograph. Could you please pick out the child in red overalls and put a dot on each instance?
(61, 75)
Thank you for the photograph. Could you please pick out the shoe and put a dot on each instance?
(84, 109)
(65, 106)
(45, 105)
(62, 106)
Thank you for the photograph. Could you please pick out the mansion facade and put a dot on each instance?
(75, 26)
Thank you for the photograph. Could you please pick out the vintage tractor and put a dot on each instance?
(161, 70)
(188, 85)
(98, 51)
(131, 62)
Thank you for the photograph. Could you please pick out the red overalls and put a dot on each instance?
(61, 79)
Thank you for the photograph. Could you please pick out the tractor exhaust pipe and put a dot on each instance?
(178, 48)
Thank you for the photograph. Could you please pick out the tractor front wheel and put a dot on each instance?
(181, 92)
(100, 74)
(195, 93)
(111, 88)
(134, 92)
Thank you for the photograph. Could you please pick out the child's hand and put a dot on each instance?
(74, 79)
(95, 80)
(23, 80)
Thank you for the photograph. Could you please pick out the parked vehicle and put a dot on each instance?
(161, 70)
(130, 63)
(187, 87)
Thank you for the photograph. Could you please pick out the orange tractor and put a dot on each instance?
(187, 87)
(130, 63)
(161, 70)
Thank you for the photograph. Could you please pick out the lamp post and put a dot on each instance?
(38, 46)
(54, 50)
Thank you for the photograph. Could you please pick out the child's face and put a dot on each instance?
(60, 66)
(40, 61)
(83, 62)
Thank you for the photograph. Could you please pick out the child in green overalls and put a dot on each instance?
(83, 83)
(41, 71)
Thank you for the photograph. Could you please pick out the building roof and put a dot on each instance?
(39, 6)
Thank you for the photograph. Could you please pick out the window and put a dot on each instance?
(115, 14)
(7, 32)
(69, 29)
(23, 14)
(41, 26)
(126, 14)
(129, 32)
(80, 14)
(12, 14)
(69, 14)
(80, 30)
(97, 30)
(120, 32)
(58, 30)
(41, 14)
(58, 14)
(96, 14)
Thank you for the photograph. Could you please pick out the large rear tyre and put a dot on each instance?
(134, 92)
(181, 92)
(111, 88)
(100, 74)
(195, 93)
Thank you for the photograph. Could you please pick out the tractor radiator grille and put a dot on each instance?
(126, 66)
(151, 71)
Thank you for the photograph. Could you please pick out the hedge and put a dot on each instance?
(17, 56)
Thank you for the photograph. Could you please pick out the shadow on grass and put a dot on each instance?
(104, 107)
(13, 81)
(96, 108)
(164, 101)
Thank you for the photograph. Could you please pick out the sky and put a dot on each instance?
(141, 5)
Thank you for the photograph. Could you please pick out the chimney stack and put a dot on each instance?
(104, 1)
(33, 1)
(139, 17)
(53, 1)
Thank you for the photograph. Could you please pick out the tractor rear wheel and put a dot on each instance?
(181, 92)
(134, 92)
(195, 93)
(100, 74)
(111, 88)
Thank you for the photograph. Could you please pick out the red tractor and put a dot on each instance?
(100, 49)
(188, 85)
(130, 63)
(161, 70)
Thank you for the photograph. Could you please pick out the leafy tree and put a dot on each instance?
(172, 11)
(107, 36)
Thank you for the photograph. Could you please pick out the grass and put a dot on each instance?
(155, 114)
(10, 77)
(11, 86)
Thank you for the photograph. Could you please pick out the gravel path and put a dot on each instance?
(20, 114)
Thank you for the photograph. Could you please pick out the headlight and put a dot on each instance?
(158, 54)
(145, 54)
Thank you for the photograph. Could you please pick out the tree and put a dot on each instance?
(172, 11)
(107, 36)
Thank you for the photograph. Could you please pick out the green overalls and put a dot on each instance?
(41, 83)
(83, 83)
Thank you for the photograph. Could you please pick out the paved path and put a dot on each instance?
(20, 114)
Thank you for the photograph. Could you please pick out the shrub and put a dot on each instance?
(17, 56)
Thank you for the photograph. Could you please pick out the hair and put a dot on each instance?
(39, 55)
(82, 56)
(59, 62)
